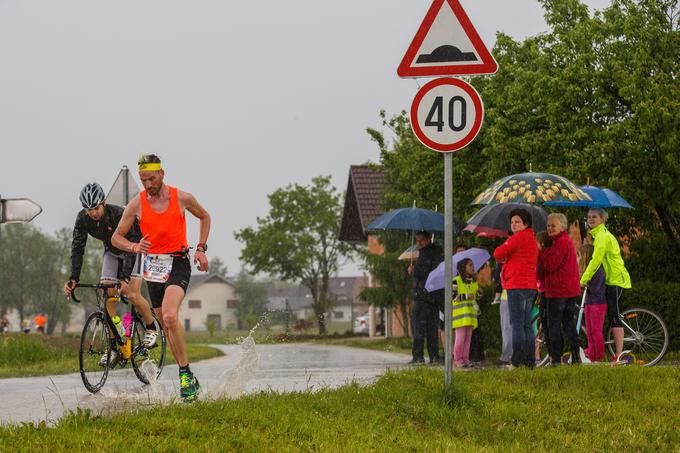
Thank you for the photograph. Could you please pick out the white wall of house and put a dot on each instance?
(208, 299)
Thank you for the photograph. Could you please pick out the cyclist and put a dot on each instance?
(160, 209)
(99, 220)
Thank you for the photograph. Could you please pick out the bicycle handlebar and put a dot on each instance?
(90, 285)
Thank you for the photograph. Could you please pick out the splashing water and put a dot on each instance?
(154, 391)
(233, 382)
(129, 396)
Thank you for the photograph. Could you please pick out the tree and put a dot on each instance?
(395, 285)
(298, 240)
(18, 247)
(217, 266)
(49, 273)
(252, 299)
(595, 99)
(34, 268)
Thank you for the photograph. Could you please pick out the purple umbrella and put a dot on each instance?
(478, 256)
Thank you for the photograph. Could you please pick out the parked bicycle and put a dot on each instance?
(100, 338)
(645, 340)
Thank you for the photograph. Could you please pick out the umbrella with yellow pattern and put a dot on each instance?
(534, 188)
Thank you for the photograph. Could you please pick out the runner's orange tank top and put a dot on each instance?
(167, 230)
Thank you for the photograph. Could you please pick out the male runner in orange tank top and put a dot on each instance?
(167, 269)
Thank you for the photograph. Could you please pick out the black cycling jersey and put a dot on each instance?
(101, 229)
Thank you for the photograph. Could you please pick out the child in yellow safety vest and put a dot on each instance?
(465, 311)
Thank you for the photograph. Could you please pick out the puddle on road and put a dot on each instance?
(117, 397)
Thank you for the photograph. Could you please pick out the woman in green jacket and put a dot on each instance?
(608, 254)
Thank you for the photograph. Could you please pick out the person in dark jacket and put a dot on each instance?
(560, 276)
(519, 255)
(425, 311)
(99, 220)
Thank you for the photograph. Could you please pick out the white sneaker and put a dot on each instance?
(150, 338)
(114, 358)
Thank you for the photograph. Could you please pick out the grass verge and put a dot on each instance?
(402, 345)
(596, 408)
(36, 355)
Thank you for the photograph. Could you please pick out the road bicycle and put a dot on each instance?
(645, 340)
(100, 337)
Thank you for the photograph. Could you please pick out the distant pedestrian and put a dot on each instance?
(26, 326)
(40, 322)
(4, 323)
(425, 313)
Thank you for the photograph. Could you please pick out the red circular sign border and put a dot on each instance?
(477, 125)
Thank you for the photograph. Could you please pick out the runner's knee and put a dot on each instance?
(170, 319)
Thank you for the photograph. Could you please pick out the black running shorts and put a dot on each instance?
(614, 295)
(179, 276)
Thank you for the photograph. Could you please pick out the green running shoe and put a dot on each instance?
(188, 386)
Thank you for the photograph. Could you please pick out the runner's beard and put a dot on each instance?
(154, 191)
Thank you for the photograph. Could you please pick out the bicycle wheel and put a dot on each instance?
(147, 362)
(541, 346)
(645, 336)
(94, 345)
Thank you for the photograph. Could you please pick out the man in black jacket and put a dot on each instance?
(425, 312)
(99, 220)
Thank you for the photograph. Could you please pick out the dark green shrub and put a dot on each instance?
(663, 298)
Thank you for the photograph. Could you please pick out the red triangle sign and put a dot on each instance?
(446, 44)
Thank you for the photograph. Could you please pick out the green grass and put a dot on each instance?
(402, 345)
(36, 355)
(596, 408)
(262, 335)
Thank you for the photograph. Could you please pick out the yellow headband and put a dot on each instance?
(151, 166)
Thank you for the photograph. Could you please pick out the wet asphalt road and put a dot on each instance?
(245, 368)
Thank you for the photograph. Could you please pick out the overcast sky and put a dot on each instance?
(238, 98)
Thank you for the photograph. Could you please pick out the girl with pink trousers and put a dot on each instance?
(596, 306)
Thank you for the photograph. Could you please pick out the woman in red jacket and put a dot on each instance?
(519, 255)
(559, 272)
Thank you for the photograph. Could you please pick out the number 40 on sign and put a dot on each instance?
(447, 114)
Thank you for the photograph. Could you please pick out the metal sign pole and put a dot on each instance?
(126, 185)
(448, 270)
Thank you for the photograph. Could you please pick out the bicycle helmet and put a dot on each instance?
(92, 195)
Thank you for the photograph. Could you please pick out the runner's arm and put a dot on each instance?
(78, 247)
(595, 260)
(192, 205)
(126, 221)
(198, 211)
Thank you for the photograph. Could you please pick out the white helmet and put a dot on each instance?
(92, 195)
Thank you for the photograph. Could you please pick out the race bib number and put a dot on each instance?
(157, 268)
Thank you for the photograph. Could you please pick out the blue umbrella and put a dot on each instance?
(478, 256)
(410, 219)
(601, 198)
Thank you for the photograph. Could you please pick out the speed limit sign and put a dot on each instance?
(446, 114)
